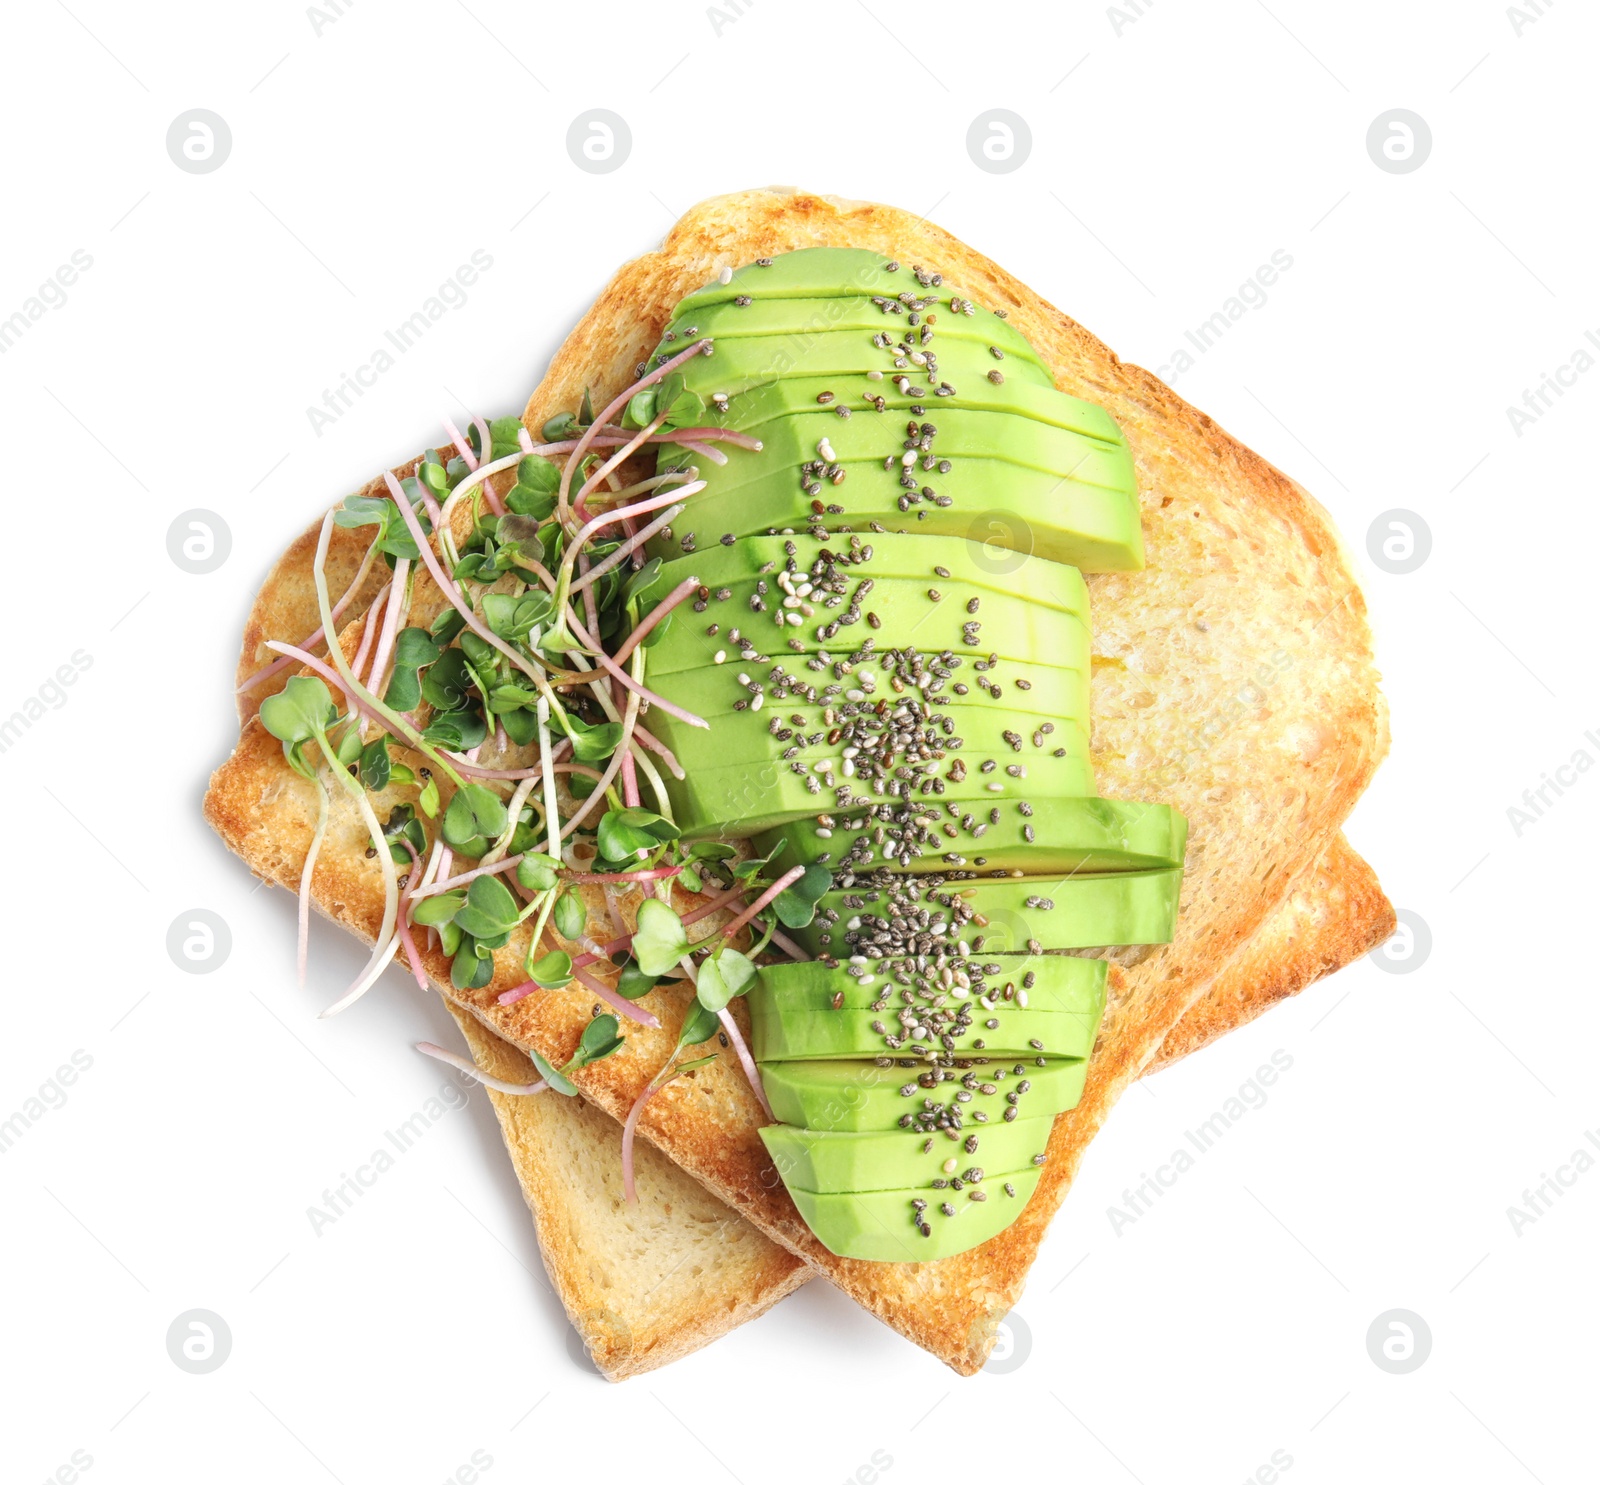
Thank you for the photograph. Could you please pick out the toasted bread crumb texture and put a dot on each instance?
(646, 1283)
(1233, 680)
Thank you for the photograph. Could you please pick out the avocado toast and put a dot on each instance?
(638, 1307)
(1245, 612)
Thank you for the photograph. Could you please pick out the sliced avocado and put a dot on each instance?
(757, 403)
(783, 1034)
(744, 799)
(995, 915)
(1001, 507)
(860, 1095)
(789, 684)
(805, 273)
(935, 616)
(836, 1160)
(768, 735)
(863, 440)
(887, 1226)
(878, 556)
(1049, 982)
(1054, 836)
(812, 348)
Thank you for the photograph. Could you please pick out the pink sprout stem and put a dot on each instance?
(699, 348)
(655, 616)
(473, 1071)
(618, 1003)
(316, 635)
(746, 1061)
(793, 874)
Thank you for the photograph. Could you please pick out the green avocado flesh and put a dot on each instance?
(937, 417)
(836, 1160)
(841, 607)
(889, 637)
(977, 733)
(860, 1095)
(1003, 915)
(1056, 836)
(1044, 982)
(910, 1225)
(759, 403)
(876, 556)
(835, 684)
(742, 800)
(1006, 508)
(792, 1035)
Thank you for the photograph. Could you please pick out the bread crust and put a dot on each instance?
(1233, 679)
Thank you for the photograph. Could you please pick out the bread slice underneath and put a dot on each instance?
(647, 1284)
(1233, 680)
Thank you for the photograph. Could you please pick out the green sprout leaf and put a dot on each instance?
(537, 872)
(375, 766)
(700, 1025)
(474, 820)
(625, 835)
(724, 978)
(796, 905)
(599, 1041)
(632, 982)
(558, 1084)
(660, 940)
(592, 743)
(432, 911)
(298, 712)
(553, 970)
(570, 915)
(489, 911)
(473, 966)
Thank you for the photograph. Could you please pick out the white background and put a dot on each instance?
(1172, 154)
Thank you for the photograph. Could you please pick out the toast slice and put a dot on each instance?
(1234, 682)
(644, 1286)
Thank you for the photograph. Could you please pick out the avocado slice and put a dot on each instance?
(1055, 836)
(910, 1225)
(860, 1095)
(994, 915)
(1049, 982)
(992, 450)
(741, 800)
(792, 684)
(783, 1034)
(839, 1160)
(1001, 507)
(755, 599)
(769, 735)
(961, 618)
(841, 562)
(867, 436)
(756, 403)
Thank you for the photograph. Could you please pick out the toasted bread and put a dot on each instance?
(1235, 682)
(638, 1306)
(643, 1284)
